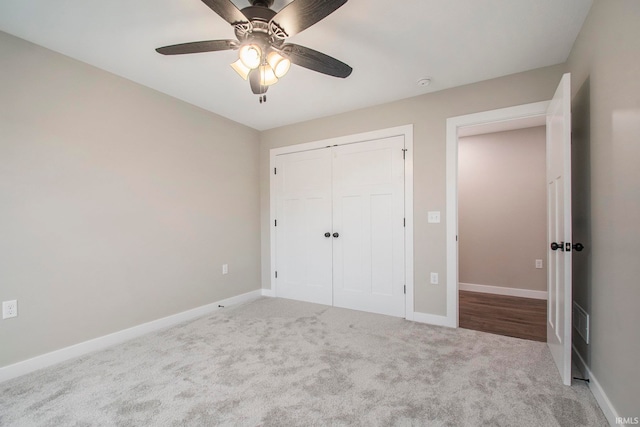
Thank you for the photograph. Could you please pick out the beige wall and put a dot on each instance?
(605, 65)
(428, 114)
(118, 204)
(502, 209)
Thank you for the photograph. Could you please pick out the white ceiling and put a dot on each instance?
(389, 44)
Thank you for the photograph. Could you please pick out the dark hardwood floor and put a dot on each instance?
(504, 315)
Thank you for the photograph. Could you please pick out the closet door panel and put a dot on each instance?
(382, 244)
(303, 212)
(368, 214)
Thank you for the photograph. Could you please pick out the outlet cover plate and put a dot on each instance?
(9, 309)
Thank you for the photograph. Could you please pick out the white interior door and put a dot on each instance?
(303, 205)
(368, 215)
(559, 227)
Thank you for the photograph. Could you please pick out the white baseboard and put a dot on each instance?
(433, 319)
(268, 293)
(80, 349)
(605, 404)
(500, 290)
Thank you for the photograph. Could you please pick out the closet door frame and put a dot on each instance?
(407, 132)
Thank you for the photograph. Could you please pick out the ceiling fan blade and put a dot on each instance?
(301, 14)
(316, 61)
(227, 11)
(197, 47)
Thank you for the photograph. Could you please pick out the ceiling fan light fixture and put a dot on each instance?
(241, 69)
(278, 63)
(267, 75)
(250, 55)
(263, 56)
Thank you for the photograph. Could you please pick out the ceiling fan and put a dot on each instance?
(263, 55)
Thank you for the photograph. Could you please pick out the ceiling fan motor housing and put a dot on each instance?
(261, 3)
(258, 30)
(258, 13)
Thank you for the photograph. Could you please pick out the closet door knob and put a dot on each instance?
(336, 235)
(327, 234)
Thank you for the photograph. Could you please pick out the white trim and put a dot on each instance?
(342, 140)
(502, 290)
(433, 319)
(80, 349)
(268, 293)
(407, 132)
(408, 214)
(453, 124)
(272, 229)
(605, 404)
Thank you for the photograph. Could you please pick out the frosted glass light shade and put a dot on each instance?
(267, 76)
(250, 55)
(279, 64)
(241, 69)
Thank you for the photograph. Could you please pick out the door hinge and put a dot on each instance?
(404, 222)
(276, 274)
(275, 171)
(404, 151)
(405, 289)
(275, 222)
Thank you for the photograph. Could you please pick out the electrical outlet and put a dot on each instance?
(434, 278)
(225, 268)
(538, 263)
(9, 309)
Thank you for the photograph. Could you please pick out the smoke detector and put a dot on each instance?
(425, 81)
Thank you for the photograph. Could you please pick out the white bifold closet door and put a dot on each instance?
(303, 212)
(354, 194)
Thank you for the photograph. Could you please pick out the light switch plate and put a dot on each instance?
(433, 217)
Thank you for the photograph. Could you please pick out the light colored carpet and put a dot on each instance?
(275, 362)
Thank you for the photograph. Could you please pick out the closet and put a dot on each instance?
(339, 226)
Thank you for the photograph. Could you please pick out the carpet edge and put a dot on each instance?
(80, 349)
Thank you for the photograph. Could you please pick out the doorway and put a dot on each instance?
(517, 117)
(557, 113)
(502, 229)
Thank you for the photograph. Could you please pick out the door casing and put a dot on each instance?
(537, 109)
(407, 132)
